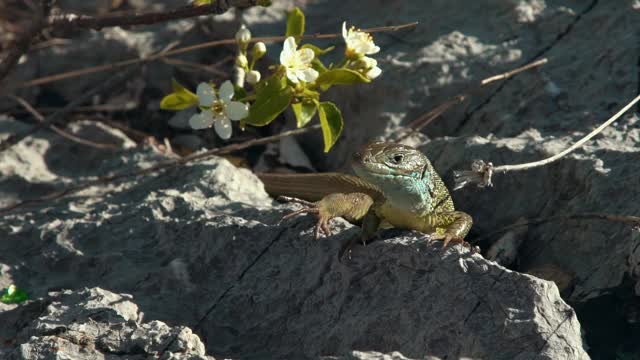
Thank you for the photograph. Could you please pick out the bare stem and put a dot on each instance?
(158, 167)
(67, 22)
(60, 131)
(16, 138)
(481, 172)
(579, 143)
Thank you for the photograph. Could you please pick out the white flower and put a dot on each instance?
(253, 77)
(259, 49)
(358, 42)
(218, 111)
(371, 68)
(243, 35)
(297, 62)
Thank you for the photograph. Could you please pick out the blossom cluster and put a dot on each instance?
(296, 82)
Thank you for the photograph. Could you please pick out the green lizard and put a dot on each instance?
(396, 185)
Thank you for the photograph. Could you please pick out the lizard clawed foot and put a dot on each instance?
(322, 226)
(450, 238)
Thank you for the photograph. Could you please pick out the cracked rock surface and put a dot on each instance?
(93, 324)
(199, 252)
(197, 247)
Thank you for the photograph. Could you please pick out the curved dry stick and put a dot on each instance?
(67, 135)
(482, 172)
(16, 138)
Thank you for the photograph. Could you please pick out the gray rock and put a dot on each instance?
(199, 247)
(590, 75)
(93, 324)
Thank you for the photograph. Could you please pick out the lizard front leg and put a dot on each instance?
(450, 226)
(351, 206)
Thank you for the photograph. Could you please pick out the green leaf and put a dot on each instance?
(13, 295)
(304, 112)
(295, 22)
(181, 98)
(316, 50)
(201, 2)
(271, 101)
(340, 76)
(331, 122)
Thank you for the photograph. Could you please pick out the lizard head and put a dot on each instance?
(403, 173)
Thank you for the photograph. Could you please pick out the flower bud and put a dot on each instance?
(253, 77)
(242, 61)
(239, 75)
(258, 51)
(243, 35)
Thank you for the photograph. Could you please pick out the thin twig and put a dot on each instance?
(119, 64)
(60, 131)
(21, 45)
(630, 220)
(68, 22)
(426, 118)
(15, 138)
(191, 66)
(482, 172)
(164, 165)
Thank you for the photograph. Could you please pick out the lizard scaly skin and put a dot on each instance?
(396, 185)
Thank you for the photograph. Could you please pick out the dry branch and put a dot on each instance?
(164, 53)
(426, 118)
(70, 22)
(51, 119)
(161, 166)
(481, 172)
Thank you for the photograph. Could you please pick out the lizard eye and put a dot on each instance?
(397, 158)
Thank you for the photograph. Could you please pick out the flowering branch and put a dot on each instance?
(297, 82)
(186, 49)
(481, 172)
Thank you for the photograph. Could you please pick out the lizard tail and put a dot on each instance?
(313, 187)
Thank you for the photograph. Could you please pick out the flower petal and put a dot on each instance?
(206, 95)
(374, 49)
(369, 62)
(222, 124)
(308, 75)
(202, 120)
(344, 30)
(288, 49)
(226, 91)
(237, 110)
(374, 73)
(305, 55)
(291, 75)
